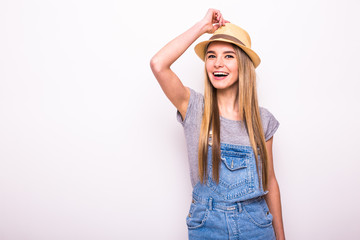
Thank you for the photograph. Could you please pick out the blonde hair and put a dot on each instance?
(249, 114)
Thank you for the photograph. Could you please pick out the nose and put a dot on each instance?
(219, 62)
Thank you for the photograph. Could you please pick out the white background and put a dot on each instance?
(90, 147)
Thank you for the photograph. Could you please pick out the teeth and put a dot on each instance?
(220, 74)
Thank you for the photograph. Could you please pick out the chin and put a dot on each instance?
(221, 85)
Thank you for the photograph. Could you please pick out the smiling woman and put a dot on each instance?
(229, 137)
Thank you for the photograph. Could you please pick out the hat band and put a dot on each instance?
(227, 37)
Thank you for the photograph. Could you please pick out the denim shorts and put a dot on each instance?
(235, 208)
(249, 219)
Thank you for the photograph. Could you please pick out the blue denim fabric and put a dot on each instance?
(235, 208)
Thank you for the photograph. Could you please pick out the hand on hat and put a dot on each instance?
(213, 20)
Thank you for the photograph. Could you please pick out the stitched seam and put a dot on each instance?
(253, 221)
(202, 222)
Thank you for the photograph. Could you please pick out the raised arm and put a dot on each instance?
(160, 64)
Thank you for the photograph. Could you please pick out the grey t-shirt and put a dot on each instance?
(231, 131)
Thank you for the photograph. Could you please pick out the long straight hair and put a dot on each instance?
(249, 114)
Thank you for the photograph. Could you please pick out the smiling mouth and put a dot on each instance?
(220, 74)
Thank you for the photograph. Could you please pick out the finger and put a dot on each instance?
(222, 23)
(211, 15)
(215, 27)
(214, 17)
(218, 19)
(218, 15)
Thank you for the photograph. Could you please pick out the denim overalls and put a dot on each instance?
(235, 208)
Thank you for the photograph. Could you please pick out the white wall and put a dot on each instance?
(90, 147)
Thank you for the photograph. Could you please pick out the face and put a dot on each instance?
(221, 65)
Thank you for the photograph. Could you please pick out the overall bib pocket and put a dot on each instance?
(237, 172)
(234, 170)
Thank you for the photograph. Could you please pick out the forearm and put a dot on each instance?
(274, 202)
(175, 48)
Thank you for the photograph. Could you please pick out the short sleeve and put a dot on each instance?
(270, 123)
(194, 107)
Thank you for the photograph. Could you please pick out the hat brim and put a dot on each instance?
(200, 50)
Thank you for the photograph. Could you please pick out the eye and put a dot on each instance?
(229, 56)
(211, 56)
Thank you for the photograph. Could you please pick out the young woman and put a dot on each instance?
(229, 137)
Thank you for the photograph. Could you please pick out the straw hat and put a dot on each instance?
(232, 34)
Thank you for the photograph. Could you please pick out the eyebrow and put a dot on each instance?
(223, 52)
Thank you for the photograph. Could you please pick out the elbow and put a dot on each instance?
(273, 183)
(156, 65)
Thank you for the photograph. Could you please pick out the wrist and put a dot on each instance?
(280, 236)
(202, 27)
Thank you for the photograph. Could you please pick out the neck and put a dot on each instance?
(228, 102)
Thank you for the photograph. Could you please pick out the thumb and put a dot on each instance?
(215, 27)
